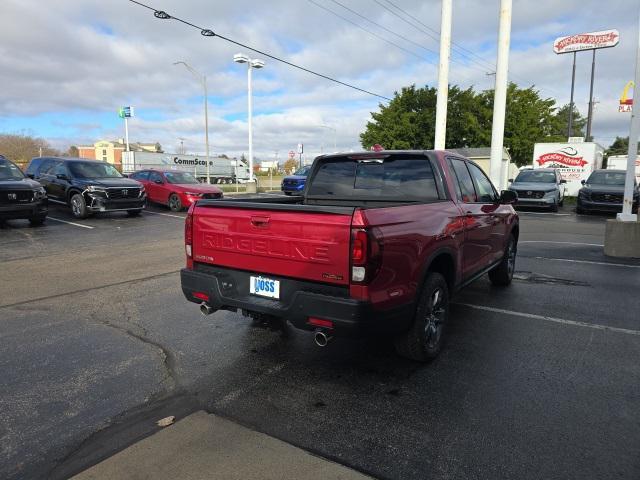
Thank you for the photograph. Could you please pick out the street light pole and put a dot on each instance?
(335, 148)
(250, 118)
(203, 80)
(251, 64)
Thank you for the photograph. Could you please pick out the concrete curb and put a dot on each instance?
(205, 446)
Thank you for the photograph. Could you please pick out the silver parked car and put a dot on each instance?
(540, 187)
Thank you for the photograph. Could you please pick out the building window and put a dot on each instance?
(104, 151)
(104, 159)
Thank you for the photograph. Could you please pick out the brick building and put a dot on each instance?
(111, 151)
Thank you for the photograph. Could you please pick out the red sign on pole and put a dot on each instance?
(292, 154)
(586, 41)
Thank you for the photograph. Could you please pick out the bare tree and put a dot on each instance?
(290, 166)
(22, 148)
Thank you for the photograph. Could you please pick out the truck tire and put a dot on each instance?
(174, 203)
(423, 341)
(78, 206)
(554, 207)
(502, 274)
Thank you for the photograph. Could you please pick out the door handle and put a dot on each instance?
(260, 222)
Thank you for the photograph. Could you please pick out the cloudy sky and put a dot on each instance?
(67, 65)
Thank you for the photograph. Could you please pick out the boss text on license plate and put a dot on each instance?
(264, 287)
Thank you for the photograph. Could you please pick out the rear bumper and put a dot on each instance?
(29, 210)
(228, 290)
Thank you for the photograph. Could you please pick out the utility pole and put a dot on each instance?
(443, 75)
(590, 116)
(203, 80)
(500, 94)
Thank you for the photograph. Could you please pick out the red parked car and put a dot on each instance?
(175, 188)
(379, 241)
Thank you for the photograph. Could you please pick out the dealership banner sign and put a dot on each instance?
(560, 159)
(586, 41)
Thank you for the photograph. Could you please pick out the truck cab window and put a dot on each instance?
(466, 192)
(390, 178)
(484, 187)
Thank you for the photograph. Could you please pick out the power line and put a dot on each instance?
(436, 37)
(372, 33)
(160, 14)
(455, 46)
(383, 28)
(408, 40)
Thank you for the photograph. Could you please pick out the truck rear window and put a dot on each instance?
(379, 179)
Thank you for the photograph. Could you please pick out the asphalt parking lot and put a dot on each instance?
(537, 380)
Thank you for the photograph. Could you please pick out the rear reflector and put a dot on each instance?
(319, 322)
(201, 296)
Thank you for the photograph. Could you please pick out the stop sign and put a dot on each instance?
(292, 154)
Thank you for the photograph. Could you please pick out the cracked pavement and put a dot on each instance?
(97, 342)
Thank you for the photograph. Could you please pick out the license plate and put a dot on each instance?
(265, 287)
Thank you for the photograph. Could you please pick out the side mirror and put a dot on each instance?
(583, 182)
(62, 176)
(510, 180)
(30, 175)
(159, 182)
(563, 181)
(508, 197)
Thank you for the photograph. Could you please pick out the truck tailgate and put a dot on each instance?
(297, 241)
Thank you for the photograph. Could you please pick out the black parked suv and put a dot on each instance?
(603, 191)
(20, 197)
(87, 186)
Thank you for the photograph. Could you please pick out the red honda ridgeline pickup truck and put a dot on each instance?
(378, 242)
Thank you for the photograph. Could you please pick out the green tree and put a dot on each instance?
(620, 146)
(73, 152)
(407, 122)
(529, 119)
(561, 124)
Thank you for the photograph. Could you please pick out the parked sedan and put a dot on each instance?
(294, 184)
(603, 191)
(174, 188)
(540, 187)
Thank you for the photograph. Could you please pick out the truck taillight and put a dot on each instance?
(188, 233)
(365, 255)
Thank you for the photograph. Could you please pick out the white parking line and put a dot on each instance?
(70, 223)
(587, 261)
(165, 214)
(561, 243)
(545, 213)
(595, 326)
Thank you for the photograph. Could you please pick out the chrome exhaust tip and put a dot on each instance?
(206, 309)
(321, 338)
